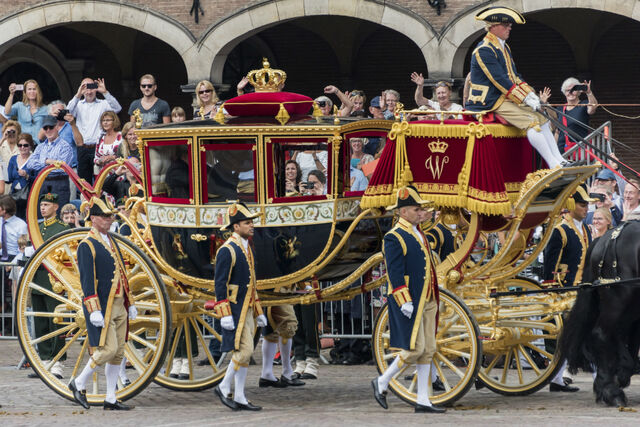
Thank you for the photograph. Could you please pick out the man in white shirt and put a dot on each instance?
(87, 112)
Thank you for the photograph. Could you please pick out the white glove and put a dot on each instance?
(227, 323)
(133, 312)
(261, 321)
(532, 101)
(96, 319)
(407, 309)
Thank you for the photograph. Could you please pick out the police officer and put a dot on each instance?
(47, 350)
(497, 86)
(108, 304)
(414, 306)
(564, 258)
(237, 304)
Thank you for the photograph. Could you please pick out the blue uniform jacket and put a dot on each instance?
(235, 283)
(567, 247)
(100, 276)
(494, 77)
(441, 241)
(412, 277)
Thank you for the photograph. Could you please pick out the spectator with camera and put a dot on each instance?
(52, 150)
(575, 114)
(87, 109)
(315, 184)
(603, 197)
(70, 216)
(325, 105)
(153, 110)
(110, 139)
(66, 128)
(30, 111)
(607, 180)
(8, 148)
(17, 174)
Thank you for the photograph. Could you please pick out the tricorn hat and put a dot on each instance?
(99, 206)
(408, 196)
(500, 15)
(237, 212)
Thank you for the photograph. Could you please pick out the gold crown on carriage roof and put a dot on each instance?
(266, 79)
(438, 146)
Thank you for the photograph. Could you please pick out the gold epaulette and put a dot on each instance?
(92, 303)
(222, 308)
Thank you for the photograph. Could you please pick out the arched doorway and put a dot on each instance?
(362, 55)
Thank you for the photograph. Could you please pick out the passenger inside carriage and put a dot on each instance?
(230, 175)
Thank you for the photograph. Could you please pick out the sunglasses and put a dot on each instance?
(47, 127)
(23, 145)
(205, 91)
(321, 103)
(146, 86)
(10, 132)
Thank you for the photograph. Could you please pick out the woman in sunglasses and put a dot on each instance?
(16, 175)
(207, 100)
(31, 110)
(8, 147)
(442, 93)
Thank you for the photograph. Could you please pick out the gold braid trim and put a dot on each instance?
(460, 131)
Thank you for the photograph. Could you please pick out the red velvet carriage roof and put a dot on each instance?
(463, 164)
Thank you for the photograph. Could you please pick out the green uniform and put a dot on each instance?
(43, 303)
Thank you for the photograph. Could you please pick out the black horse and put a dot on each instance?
(602, 330)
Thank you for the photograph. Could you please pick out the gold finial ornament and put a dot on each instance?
(201, 113)
(219, 117)
(267, 79)
(336, 120)
(138, 116)
(282, 116)
(316, 110)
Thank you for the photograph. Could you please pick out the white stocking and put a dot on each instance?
(558, 378)
(123, 372)
(225, 384)
(385, 378)
(111, 372)
(546, 131)
(268, 353)
(434, 372)
(81, 380)
(238, 393)
(539, 142)
(423, 384)
(285, 356)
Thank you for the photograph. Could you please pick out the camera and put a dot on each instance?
(321, 103)
(61, 114)
(598, 196)
(309, 185)
(576, 88)
(92, 85)
(19, 87)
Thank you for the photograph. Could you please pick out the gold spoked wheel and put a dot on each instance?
(190, 364)
(519, 351)
(55, 305)
(457, 358)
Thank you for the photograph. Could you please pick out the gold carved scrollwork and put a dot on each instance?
(476, 130)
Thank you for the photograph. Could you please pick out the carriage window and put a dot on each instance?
(230, 170)
(170, 171)
(360, 160)
(300, 169)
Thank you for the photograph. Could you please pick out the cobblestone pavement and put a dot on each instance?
(342, 395)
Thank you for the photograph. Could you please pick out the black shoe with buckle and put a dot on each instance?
(429, 409)
(263, 382)
(381, 398)
(117, 406)
(247, 406)
(564, 388)
(293, 382)
(226, 400)
(79, 396)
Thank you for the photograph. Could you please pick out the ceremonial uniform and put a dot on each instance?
(566, 252)
(441, 241)
(413, 299)
(495, 84)
(48, 349)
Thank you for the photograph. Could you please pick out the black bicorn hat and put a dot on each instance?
(237, 212)
(408, 196)
(100, 206)
(500, 15)
(582, 195)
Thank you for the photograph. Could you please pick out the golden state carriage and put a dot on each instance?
(482, 177)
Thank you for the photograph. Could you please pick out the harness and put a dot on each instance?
(611, 245)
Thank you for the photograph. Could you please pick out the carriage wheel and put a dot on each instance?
(192, 335)
(520, 359)
(150, 330)
(457, 358)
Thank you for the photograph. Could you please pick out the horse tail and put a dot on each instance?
(575, 340)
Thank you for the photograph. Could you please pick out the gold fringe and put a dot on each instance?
(460, 131)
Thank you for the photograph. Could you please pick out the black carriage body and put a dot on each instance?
(192, 169)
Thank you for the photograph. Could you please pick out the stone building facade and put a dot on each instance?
(366, 44)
